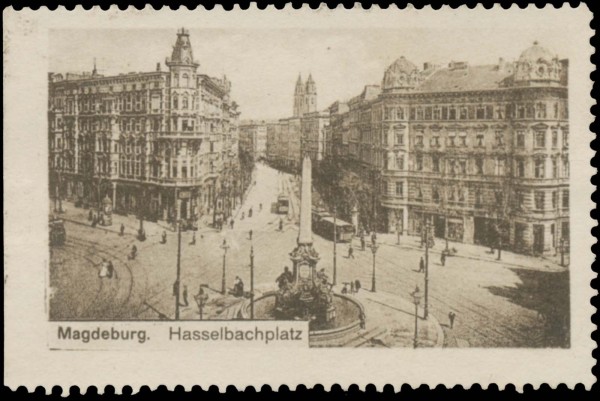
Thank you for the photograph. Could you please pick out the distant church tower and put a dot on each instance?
(299, 98)
(310, 96)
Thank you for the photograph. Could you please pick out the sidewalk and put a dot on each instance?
(394, 319)
(473, 252)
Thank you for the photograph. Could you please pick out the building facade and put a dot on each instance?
(288, 138)
(478, 152)
(162, 145)
(253, 139)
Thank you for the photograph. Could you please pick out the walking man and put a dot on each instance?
(421, 265)
(133, 252)
(443, 258)
(231, 223)
(122, 231)
(164, 237)
(350, 252)
(193, 238)
(362, 241)
(250, 235)
(451, 317)
(280, 224)
(185, 296)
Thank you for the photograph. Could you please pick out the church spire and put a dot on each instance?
(299, 85)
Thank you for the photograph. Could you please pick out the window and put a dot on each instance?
(435, 195)
(451, 140)
(539, 200)
(400, 162)
(520, 111)
(540, 139)
(186, 80)
(565, 138)
(185, 102)
(520, 168)
(399, 138)
(428, 113)
(539, 166)
(452, 113)
(480, 112)
(419, 162)
(419, 113)
(554, 138)
(478, 199)
(520, 139)
(419, 194)
(435, 163)
(461, 194)
(565, 167)
(565, 199)
(479, 139)
(435, 141)
(399, 189)
(541, 110)
(529, 111)
(500, 163)
(463, 139)
(489, 112)
(499, 135)
(479, 165)
(175, 102)
(463, 113)
(554, 200)
(419, 140)
(436, 113)
(175, 80)
(444, 112)
(463, 166)
(212, 147)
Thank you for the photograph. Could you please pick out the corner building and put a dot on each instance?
(141, 139)
(481, 152)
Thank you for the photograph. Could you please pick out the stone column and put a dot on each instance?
(305, 235)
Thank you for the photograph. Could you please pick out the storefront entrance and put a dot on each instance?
(538, 239)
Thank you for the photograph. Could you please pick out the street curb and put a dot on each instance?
(440, 333)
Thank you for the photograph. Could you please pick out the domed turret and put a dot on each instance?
(537, 63)
(182, 51)
(402, 74)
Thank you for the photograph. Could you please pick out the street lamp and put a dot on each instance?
(252, 282)
(224, 247)
(334, 245)
(428, 243)
(416, 295)
(374, 248)
(178, 278)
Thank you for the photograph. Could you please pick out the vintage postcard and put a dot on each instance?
(298, 197)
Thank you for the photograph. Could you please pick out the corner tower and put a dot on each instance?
(182, 68)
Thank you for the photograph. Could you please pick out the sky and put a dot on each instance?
(263, 64)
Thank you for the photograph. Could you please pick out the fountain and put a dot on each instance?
(305, 293)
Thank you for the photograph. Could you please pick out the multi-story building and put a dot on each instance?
(289, 137)
(480, 152)
(159, 144)
(253, 139)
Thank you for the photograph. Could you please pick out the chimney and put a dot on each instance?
(157, 67)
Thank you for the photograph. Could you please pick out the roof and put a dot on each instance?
(484, 77)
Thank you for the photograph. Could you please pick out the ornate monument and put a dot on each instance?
(305, 293)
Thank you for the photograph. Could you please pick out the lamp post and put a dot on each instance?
(334, 245)
(374, 247)
(224, 247)
(416, 294)
(252, 282)
(428, 243)
(177, 280)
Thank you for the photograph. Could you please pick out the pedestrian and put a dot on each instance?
(260, 207)
(373, 237)
(280, 224)
(90, 215)
(231, 223)
(421, 265)
(103, 269)
(357, 285)
(122, 231)
(250, 213)
(133, 252)
(193, 238)
(164, 237)
(443, 258)
(242, 218)
(185, 296)
(362, 242)
(94, 221)
(345, 289)
(250, 233)
(350, 252)
(112, 270)
(352, 290)
(451, 317)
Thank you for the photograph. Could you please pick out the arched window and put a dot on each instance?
(186, 80)
(175, 80)
(185, 102)
(175, 101)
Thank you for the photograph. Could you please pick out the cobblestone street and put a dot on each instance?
(497, 303)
